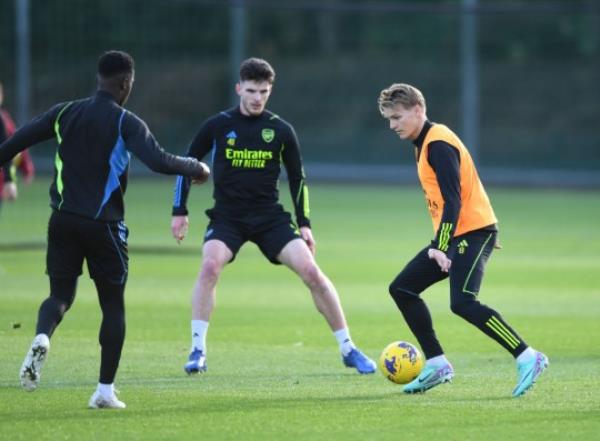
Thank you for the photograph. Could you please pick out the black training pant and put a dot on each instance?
(103, 245)
(469, 254)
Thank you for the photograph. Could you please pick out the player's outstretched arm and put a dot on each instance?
(37, 130)
(142, 143)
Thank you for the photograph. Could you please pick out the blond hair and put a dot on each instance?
(400, 93)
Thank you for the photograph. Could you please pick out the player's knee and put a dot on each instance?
(211, 269)
(312, 275)
(62, 292)
(398, 293)
(58, 304)
(463, 306)
(393, 289)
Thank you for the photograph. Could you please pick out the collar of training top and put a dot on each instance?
(419, 141)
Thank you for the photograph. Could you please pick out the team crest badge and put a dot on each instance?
(231, 136)
(268, 135)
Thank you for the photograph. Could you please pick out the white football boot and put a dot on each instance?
(98, 401)
(34, 360)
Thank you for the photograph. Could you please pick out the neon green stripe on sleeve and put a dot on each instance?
(57, 160)
(59, 183)
(300, 188)
(444, 240)
(306, 204)
(57, 125)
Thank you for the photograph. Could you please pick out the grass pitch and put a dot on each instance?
(274, 370)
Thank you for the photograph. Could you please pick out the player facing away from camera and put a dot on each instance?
(94, 137)
(248, 145)
(465, 230)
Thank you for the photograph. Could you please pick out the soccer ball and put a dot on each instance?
(401, 362)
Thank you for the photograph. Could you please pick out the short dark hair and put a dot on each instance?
(256, 69)
(112, 63)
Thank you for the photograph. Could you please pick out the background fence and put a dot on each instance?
(518, 80)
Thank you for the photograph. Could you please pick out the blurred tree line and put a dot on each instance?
(566, 30)
(538, 64)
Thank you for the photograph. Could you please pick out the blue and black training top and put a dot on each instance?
(94, 139)
(247, 154)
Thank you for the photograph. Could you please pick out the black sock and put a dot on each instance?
(112, 330)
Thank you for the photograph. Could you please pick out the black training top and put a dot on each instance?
(247, 153)
(95, 136)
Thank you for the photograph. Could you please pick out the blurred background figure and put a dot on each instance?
(22, 163)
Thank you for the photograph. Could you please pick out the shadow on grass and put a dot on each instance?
(180, 405)
(135, 249)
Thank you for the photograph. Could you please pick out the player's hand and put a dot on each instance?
(441, 259)
(204, 176)
(306, 234)
(9, 192)
(179, 227)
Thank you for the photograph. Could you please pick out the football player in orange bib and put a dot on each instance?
(465, 231)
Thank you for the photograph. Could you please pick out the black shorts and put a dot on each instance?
(103, 245)
(270, 230)
(469, 254)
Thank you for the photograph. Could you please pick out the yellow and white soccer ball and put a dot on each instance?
(401, 362)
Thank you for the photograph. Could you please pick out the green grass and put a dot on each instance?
(274, 371)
